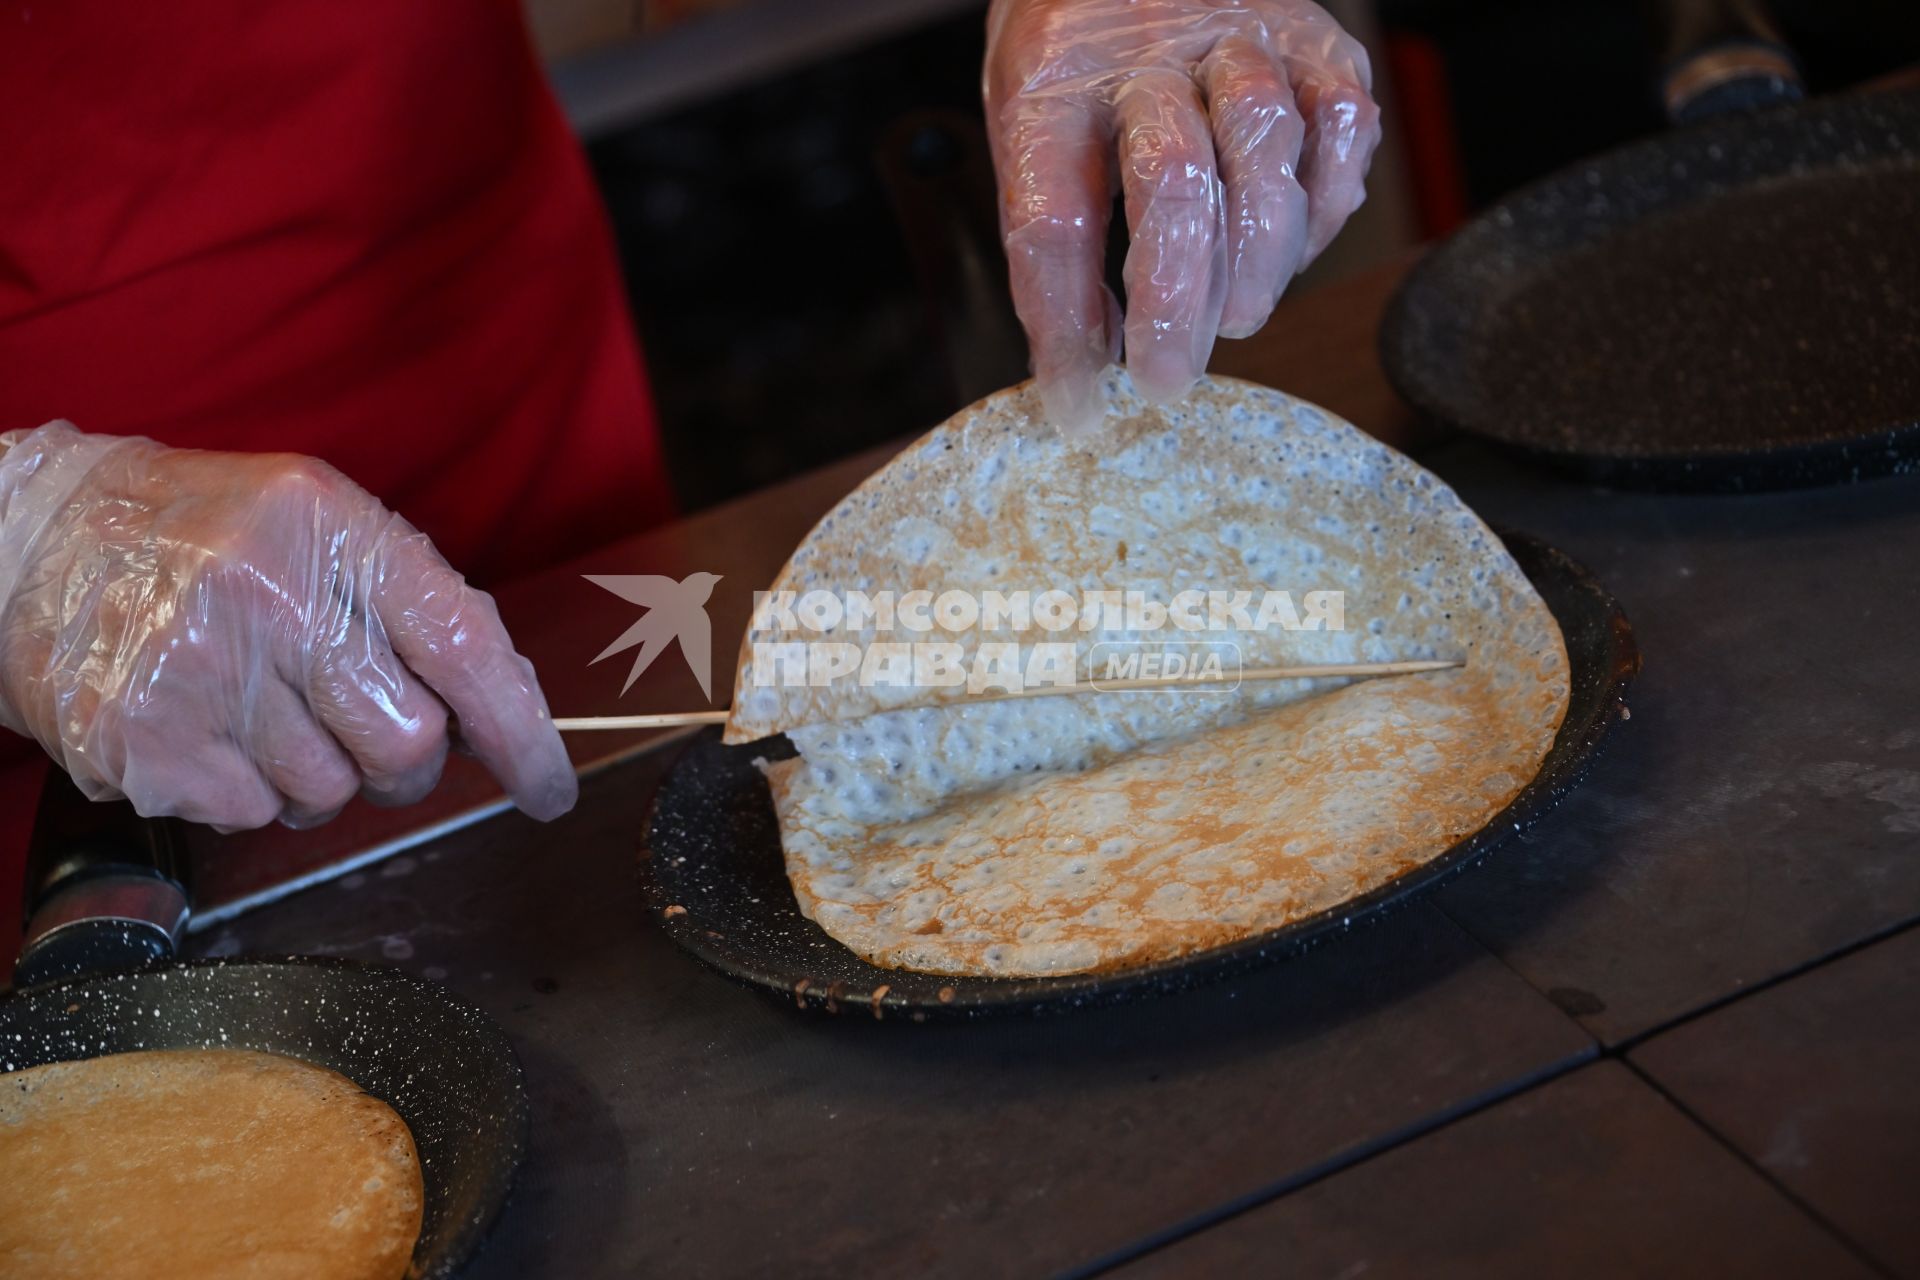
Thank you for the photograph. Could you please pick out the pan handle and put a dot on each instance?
(106, 888)
(1724, 57)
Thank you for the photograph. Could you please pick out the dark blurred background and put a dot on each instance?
(804, 212)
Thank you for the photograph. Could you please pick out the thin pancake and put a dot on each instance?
(202, 1163)
(1072, 834)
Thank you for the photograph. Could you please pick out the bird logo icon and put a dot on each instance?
(674, 611)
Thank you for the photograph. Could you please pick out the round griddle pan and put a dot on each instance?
(1728, 307)
(103, 883)
(714, 875)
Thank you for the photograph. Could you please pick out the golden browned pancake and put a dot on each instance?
(203, 1164)
(1081, 834)
(1185, 843)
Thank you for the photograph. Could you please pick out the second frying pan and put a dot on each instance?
(97, 979)
(1730, 306)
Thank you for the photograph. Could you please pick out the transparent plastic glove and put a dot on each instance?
(1239, 133)
(234, 638)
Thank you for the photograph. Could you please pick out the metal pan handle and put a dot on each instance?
(1724, 57)
(106, 889)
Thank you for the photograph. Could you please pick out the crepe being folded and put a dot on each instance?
(928, 830)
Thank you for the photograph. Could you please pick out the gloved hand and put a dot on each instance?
(234, 637)
(1240, 132)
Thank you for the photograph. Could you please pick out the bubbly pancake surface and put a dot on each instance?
(1061, 835)
(202, 1163)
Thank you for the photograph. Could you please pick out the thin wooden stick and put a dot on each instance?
(666, 720)
(674, 719)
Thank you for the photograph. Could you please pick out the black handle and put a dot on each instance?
(106, 889)
(1723, 57)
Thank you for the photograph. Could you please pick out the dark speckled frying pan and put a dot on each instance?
(96, 977)
(1730, 306)
(716, 879)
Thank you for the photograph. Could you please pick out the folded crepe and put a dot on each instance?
(928, 830)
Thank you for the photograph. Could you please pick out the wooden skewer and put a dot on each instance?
(675, 719)
(665, 720)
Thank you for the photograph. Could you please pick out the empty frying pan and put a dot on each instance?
(1732, 305)
(96, 976)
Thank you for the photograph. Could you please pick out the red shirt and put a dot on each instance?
(358, 229)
